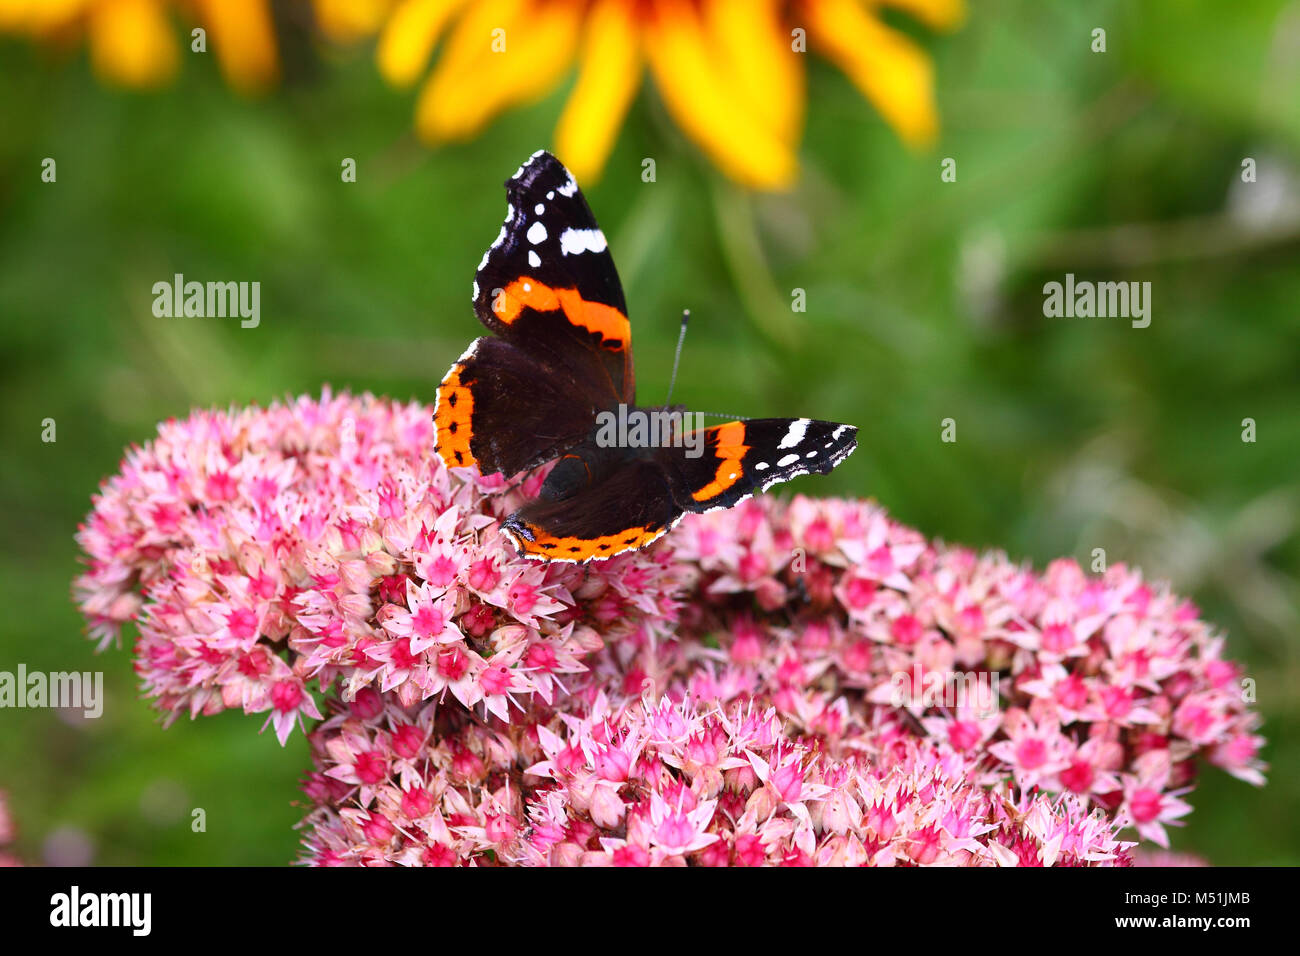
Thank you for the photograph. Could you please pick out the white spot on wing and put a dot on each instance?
(795, 435)
(787, 461)
(520, 171)
(534, 259)
(786, 477)
(574, 241)
(536, 233)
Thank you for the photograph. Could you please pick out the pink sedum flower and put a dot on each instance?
(728, 697)
(541, 794)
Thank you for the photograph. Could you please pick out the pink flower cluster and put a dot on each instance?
(1107, 687)
(661, 782)
(321, 543)
(801, 683)
(8, 833)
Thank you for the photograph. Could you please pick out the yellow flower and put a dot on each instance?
(731, 72)
(134, 43)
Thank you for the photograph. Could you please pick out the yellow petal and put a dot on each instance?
(346, 21)
(502, 52)
(132, 43)
(39, 17)
(706, 104)
(242, 36)
(891, 71)
(13, 15)
(611, 72)
(752, 41)
(474, 35)
(936, 14)
(408, 38)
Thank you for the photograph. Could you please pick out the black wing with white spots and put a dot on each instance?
(548, 282)
(744, 457)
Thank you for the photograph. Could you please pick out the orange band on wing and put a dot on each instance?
(731, 450)
(451, 418)
(555, 548)
(605, 320)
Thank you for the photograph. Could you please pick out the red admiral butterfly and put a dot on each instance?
(560, 364)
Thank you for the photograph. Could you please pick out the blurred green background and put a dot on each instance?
(924, 302)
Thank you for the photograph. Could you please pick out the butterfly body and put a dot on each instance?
(555, 383)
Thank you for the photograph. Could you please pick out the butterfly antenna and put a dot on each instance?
(681, 338)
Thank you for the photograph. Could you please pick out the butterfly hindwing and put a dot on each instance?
(741, 458)
(596, 503)
(500, 408)
(625, 509)
(549, 284)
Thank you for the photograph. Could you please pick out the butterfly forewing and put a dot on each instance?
(549, 282)
(741, 458)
